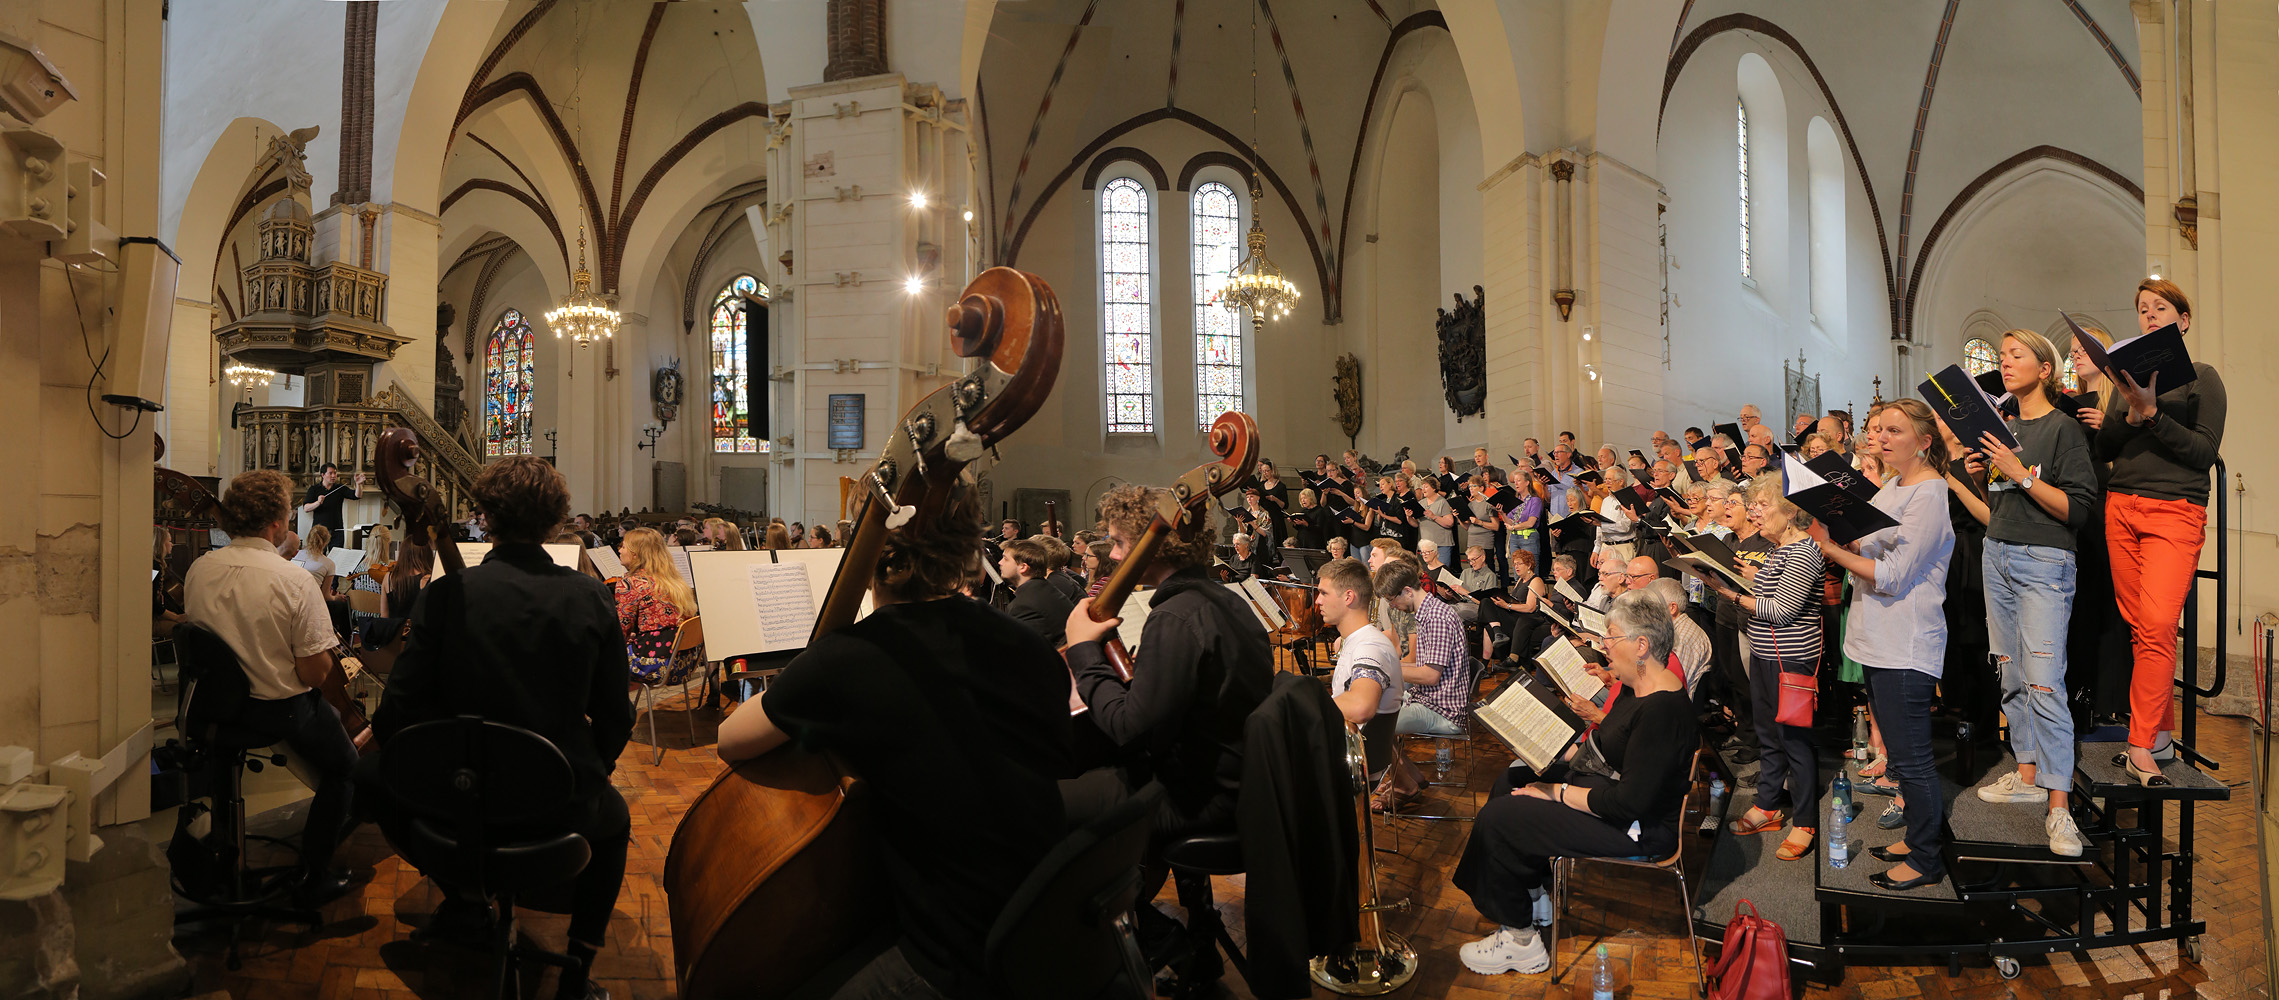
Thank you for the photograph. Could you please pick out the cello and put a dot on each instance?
(766, 878)
(1234, 438)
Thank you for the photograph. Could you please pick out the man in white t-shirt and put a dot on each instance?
(1367, 683)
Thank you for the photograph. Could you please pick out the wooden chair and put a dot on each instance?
(1561, 869)
(682, 673)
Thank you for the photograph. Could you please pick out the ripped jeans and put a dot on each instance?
(2029, 605)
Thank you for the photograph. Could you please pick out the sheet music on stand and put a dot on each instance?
(605, 559)
(345, 562)
(474, 553)
(1270, 610)
(1533, 721)
(762, 601)
(680, 559)
(1134, 615)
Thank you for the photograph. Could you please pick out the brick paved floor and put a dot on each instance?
(363, 952)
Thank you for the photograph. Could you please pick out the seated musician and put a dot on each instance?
(1437, 675)
(956, 718)
(1057, 570)
(273, 617)
(1204, 662)
(652, 602)
(1248, 562)
(1367, 684)
(1037, 602)
(1577, 809)
(522, 641)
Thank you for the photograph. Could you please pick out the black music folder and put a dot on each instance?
(1732, 433)
(1838, 495)
(1588, 478)
(1959, 400)
(1585, 521)
(2156, 355)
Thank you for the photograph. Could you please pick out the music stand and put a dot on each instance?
(1304, 564)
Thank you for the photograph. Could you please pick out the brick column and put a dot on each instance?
(857, 39)
(355, 186)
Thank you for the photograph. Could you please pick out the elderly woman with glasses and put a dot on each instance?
(1783, 609)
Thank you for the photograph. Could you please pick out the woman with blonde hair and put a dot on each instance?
(652, 601)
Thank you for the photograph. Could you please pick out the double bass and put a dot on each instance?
(768, 879)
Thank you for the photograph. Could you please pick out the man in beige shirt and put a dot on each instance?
(272, 616)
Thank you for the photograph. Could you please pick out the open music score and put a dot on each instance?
(762, 601)
(1565, 662)
(605, 560)
(1134, 615)
(786, 605)
(346, 562)
(1532, 721)
(565, 556)
(1566, 589)
(1263, 606)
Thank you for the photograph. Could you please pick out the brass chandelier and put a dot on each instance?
(245, 376)
(586, 316)
(1257, 284)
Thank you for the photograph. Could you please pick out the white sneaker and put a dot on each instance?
(1543, 909)
(2065, 837)
(2011, 788)
(1509, 949)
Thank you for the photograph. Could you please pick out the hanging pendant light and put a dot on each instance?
(586, 316)
(245, 376)
(1257, 284)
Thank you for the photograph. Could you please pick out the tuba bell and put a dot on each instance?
(1380, 961)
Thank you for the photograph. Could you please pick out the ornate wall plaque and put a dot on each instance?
(1348, 395)
(1464, 354)
(846, 415)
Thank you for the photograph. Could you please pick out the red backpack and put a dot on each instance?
(1753, 963)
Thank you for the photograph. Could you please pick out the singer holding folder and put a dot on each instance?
(2161, 440)
(1619, 794)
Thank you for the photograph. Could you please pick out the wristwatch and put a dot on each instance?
(2027, 483)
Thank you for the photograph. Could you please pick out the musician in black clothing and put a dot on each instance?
(1203, 664)
(325, 496)
(522, 641)
(956, 718)
(1037, 602)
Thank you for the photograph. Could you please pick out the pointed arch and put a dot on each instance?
(731, 382)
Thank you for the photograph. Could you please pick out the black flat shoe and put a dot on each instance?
(1886, 854)
(1883, 880)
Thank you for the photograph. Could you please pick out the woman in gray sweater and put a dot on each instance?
(2038, 499)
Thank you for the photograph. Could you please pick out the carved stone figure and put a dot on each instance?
(1348, 395)
(1464, 354)
(269, 448)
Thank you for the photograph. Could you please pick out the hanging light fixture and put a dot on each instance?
(1257, 284)
(245, 376)
(586, 316)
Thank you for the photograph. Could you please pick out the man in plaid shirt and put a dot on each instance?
(1437, 673)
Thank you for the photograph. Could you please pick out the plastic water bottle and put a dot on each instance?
(1842, 792)
(1860, 733)
(1440, 758)
(1839, 835)
(1602, 980)
(1716, 803)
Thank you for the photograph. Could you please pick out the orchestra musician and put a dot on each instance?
(942, 706)
(325, 496)
(1038, 602)
(522, 641)
(1202, 665)
(272, 616)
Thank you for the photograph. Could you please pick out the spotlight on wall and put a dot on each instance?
(969, 215)
(1588, 331)
(1592, 370)
(918, 199)
(914, 284)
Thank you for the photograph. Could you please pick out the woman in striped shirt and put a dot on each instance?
(1784, 638)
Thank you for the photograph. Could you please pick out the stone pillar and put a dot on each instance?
(872, 268)
(1519, 403)
(355, 187)
(857, 39)
(1620, 270)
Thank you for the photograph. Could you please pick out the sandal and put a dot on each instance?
(1880, 786)
(1390, 801)
(1874, 768)
(1756, 821)
(1790, 850)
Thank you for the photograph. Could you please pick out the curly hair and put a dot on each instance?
(524, 498)
(253, 501)
(927, 559)
(1130, 509)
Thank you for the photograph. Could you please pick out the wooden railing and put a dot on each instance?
(443, 460)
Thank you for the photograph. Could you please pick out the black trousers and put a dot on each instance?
(1090, 795)
(1725, 659)
(1516, 836)
(592, 896)
(310, 729)
(1788, 773)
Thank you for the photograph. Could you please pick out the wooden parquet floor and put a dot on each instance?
(363, 952)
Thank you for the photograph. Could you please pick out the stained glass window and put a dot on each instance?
(731, 377)
(509, 376)
(1124, 309)
(1217, 248)
(2066, 378)
(1742, 114)
(1978, 357)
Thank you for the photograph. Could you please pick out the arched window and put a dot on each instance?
(1217, 248)
(731, 377)
(1978, 357)
(509, 375)
(1741, 145)
(2066, 378)
(1126, 300)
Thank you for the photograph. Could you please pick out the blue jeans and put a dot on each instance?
(1417, 717)
(1447, 555)
(1902, 700)
(2029, 608)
